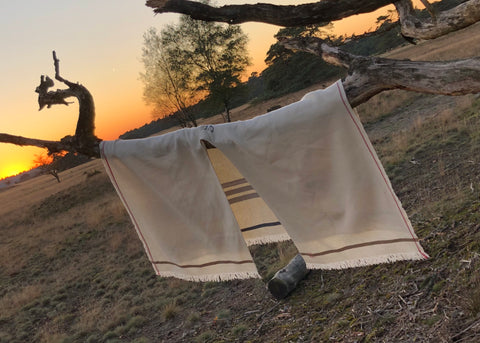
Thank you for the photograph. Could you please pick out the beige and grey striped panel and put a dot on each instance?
(257, 222)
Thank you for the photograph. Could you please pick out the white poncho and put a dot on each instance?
(305, 172)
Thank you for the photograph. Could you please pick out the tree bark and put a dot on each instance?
(325, 11)
(368, 76)
(291, 15)
(439, 24)
(85, 130)
(51, 146)
(84, 141)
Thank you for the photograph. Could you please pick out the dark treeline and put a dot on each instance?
(289, 71)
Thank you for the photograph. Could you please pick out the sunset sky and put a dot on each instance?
(99, 44)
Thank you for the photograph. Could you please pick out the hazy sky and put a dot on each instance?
(99, 44)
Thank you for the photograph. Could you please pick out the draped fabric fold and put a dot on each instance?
(305, 172)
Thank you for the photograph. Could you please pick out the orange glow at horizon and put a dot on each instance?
(12, 170)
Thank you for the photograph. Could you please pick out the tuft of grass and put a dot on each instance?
(270, 258)
(135, 323)
(239, 330)
(109, 335)
(224, 314)
(170, 310)
(205, 337)
(193, 318)
(141, 340)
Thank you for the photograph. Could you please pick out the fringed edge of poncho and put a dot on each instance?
(211, 277)
(268, 239)
(368, 261)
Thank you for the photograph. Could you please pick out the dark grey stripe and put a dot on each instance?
(239, 190)
(259, 226)
(234, 183)
(243, 197)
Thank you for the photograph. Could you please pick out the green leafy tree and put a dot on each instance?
(205, 59)
(168, 85)
(288, 70)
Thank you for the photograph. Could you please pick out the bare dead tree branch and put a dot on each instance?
(439, 24)
(86, 117)
(323, 11)
(51, 146)
(429, 8)
(49, 98)
(368, 76)
(84, 141)
(290, 15)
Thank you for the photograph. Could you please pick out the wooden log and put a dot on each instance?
(368, 76)
(289, 15)
(439, 24)
(324, 11)
(286, 279)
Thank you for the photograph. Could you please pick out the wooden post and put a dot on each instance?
(286, 279)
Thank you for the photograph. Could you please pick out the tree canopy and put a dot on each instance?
(192, 60)
(168, 85)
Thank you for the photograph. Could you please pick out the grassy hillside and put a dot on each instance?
(73, 270)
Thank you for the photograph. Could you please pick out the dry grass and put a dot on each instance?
(382, 104)
(12, 301)
(457, 45)
(170, 310)
(43, 186)
(52, 333)
(91, 316)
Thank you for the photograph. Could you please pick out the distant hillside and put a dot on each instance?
(66, 162)
(13, 180)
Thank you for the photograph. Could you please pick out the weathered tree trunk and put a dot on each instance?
(368, 76)
(84, 141)
(287, 279)
(291, 15)
(440, 24)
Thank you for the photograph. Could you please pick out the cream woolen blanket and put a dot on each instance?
(307, 169)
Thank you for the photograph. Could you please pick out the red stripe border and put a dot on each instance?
(140, 234)
(405, 220)
(359, 245)
(203, 265)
